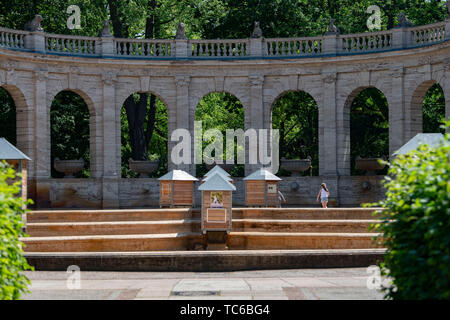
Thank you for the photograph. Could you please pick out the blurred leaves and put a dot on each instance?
(417, 224)
(12, 262)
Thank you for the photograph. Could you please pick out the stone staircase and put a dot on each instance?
(143, 234)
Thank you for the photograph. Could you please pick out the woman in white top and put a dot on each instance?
(323, 194)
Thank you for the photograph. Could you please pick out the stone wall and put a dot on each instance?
(144, 193)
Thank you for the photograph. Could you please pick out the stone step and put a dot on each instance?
(205, 261)
(112, 227)
(108, 243)
(178, 214)
(285, 240)
(111, 215)
(305, 213)
(272, 225)
(191, 240)
(192, 225)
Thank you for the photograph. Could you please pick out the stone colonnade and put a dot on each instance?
(34, 79)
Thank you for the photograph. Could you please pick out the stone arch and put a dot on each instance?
(195, 100)
(24, 122)
(120, 106)
(124, 96)
(284, 93)
(194, 116)
(83, 94)
(416, 109)
(276, 88)
(95, 134)
(343, 129)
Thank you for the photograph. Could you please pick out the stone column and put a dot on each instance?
(111, 172)
(328, 127)
(328, 140)
(397, 132)
(255, 118)
(43, 140)
(183, 121)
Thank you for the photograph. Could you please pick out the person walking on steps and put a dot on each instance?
(323, 194)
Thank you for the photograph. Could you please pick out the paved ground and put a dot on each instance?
(247, 285)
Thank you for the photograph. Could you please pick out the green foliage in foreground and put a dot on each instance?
(12, 261)
(417, 224)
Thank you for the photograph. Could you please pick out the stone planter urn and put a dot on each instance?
(68, 167)
(144, 168)
(370, 165)
(296, 166)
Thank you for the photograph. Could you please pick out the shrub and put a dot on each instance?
(417, 224)
(12, 261)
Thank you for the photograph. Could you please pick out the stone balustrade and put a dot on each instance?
(143, 48)
(366, 42)
(12, 39)
(399, 38)
(428, 34)
(218, 48)
(293, 46)
(63, 44)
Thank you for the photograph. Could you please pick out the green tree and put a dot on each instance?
(221, 111)
(157, 146)
(15, 13)
(12, 262)
(69, 118)
(416, 224)
(296, 115)
(369, 127)
(434, 110)
(147, 19)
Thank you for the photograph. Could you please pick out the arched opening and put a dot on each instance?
(434, 110)
(144, 136)
(296, 115)
(7, 117)
(427, 109)
(222, 111)
(70, 134)
(369, 128)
